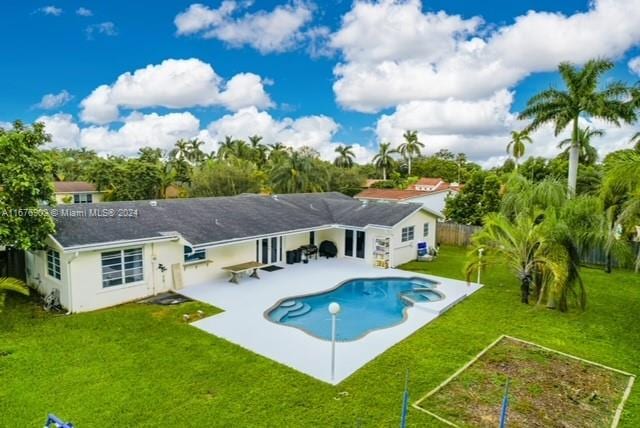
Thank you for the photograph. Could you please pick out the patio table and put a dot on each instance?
(236, 270)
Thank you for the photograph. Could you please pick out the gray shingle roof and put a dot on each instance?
(210, 220)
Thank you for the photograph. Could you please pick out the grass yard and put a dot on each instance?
(546, 389)
(140, 365)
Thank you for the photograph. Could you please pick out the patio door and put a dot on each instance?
(269, 250)
(354, 243)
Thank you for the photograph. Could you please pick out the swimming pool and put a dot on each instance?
(367, 304)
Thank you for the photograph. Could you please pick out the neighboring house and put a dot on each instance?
(432, 193)
(110, 253)
(369, 182)
(76, 192)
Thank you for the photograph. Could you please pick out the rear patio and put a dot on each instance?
(244, 322)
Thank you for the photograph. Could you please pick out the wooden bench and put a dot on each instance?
(238, 269)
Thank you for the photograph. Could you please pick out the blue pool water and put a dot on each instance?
(366, 305)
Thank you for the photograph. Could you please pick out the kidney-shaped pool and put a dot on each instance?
(367, 304)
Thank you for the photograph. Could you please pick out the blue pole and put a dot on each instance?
(405, 402)
(505, 406)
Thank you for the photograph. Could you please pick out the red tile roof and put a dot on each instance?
(390, 194)
(428, 181)
(73, 186)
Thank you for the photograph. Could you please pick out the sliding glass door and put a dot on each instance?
(354, 243)
(269, 250)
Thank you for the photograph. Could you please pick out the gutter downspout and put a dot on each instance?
(69, 282)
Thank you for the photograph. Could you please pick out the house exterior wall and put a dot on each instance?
(96, 197)
(38, 278)
(81, 287)
(403, 252)
(434, 201)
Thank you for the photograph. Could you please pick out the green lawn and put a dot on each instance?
(139, 365)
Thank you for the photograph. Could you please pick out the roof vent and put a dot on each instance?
(218, 223)
(275, 197)
(153, 203)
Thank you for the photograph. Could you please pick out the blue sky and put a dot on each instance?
(76, 46)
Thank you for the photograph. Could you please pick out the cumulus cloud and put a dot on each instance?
(49, 10)
(138, 130)
(278, 30)
(174, 83)
(63, 130)
(83, 11)
(162, 131)
(634, 65)
(52, 101)
(105, 28)
(394, 53)
(317, 132)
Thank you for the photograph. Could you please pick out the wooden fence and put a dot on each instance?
(455, 234)
(460, 235)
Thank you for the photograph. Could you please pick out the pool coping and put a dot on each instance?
(405, 314)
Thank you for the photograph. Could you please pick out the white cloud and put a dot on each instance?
(63, 130)
(50, 10)
(313, 131)
(106, 28)
(278, 30)
(394, 53)
(174, 83)
(634, 65)
(141, 130)
(52, 101)
(83, 11)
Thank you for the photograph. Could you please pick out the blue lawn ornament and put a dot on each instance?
(405, 402)
(57, 422)
(505, 406)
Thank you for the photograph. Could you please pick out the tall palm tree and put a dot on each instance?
(11, 284)
(411, 146)
(278, 151)
(383, 158)
(345, 157)
(180, 150)
(587, 154)
(225, 148)
(581, 98)
(194, 152)
(516, 146)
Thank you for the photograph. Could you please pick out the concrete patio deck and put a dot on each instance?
(244, 323)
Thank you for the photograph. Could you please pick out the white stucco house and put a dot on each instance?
(76, 192)
(432, 193)
(104, 254)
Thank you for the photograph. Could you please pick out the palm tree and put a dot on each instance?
(345, 157)
(194, 152)
(410, 147)
(225, 148)
(299, 173)
(517, 145)
(383, 158)
(11, 284)
(587, 154)
(581, 98)
(539, 250)
(180, 150)
(621, 196)
(636, 139)
(278, 151)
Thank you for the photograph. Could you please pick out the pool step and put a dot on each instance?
(288, 303)
(287, 310)
(305, 309)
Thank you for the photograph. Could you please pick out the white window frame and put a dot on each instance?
(408, 233)
(123, 276)
(82, 198)
(425, 230)
(53, 262)
(193, 253)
